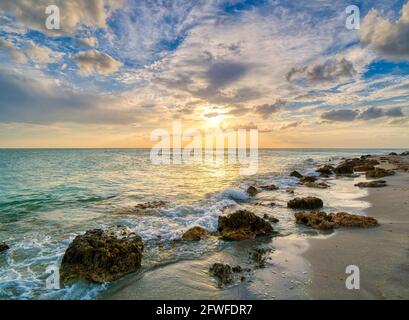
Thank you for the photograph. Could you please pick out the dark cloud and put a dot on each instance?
(367, 114)
(221, 74)
(28, 100)
(330, 71)
(340, 115)
(267, 110)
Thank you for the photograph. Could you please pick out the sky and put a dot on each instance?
(118, 69)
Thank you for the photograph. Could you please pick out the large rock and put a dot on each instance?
(99, 256)
(296, 174)
(242, 225)
(372, 184)
(309, 203)
(252, 191)
(195, 234)
(405, 153)
(379, 173)
(4, 247)
(364, 168)
(348, 166)
(224, 273)
(323, 221)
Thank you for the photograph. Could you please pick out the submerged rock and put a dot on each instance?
(307, 179)
(317, 185)
(3, 247)
(224, 273)
(195, 234)
(144, 208)
(265, 203)
(270, 187)
(323, 221)
(98, 256)
(372, 184)
(242, 225)
(296, 174)
(379, 173)
(258, 256)
(252, 191)
(309, 203)
(270, 218)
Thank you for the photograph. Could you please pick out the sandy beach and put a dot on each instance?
(381, 253)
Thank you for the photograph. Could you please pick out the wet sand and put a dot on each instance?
(381, 253)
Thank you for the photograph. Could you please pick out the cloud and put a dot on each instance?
(329, 71)
(96, 62)
(36, 99)
(390, 39)
(267, 110)
(291, 125)
(89, 42)
(345, 115)
(73, 13)
(8, 47)
(221, 74)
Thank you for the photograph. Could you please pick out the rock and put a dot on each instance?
(252, 191)
(307, 179)
(393, 154)
(3, 247)
(98, 256)
(309, 203)
(270, 218)
(406, 153)
(317, 185)
(322, 221)
(224, 273)
(343, 219)
(264, 203)
(326, 170)
(296, 174)
(379, 173)
(259, 256)
(364, 168)
(270, 187)
(144, 208)
(372, 184)
(195, 234)
(348, 166)
(242, 225)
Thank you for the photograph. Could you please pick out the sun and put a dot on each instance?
(214, 122)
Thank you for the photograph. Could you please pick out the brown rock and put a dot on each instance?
(309, 203)
(322, 221)
(372, 184)
(252, 191)
(364, 168)
(270, 218)
(144, 208)
(270, 187)
(259, 256)
(347, 167)
(195, 234)
(224, 273)
(379, 173)
(296, 174)
(3, 247)
(243, 224)
(326, 170)
(317, 185)
(98, 256)
(307, 179)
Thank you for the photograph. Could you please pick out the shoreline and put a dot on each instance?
(381, 253)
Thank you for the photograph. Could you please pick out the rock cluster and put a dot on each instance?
(372, 184)
(356, 164)
(379, 173)
(224, 273)
(195, 234)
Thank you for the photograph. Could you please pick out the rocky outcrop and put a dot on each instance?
(379, 173)
(270, 187)
(144, 208)
(3, 247)
(372, 184)
(99, 256)
(195, 234)
(364, 168)
(224, 273)
(323, 221)
(309, 203)
(296, 174)
(242, 225)
(252, 191)
(348, 166)
(326, 170)
(406, 153)
(270, 218)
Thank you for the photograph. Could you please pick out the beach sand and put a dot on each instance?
(381, 253)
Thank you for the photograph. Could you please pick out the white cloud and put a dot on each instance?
(96, 62)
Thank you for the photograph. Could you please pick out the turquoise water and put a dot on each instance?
(47, 197)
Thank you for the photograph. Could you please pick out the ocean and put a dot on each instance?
(48, 196)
